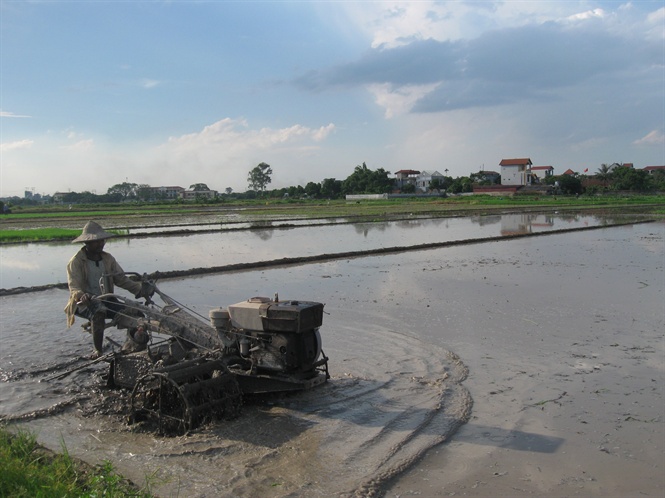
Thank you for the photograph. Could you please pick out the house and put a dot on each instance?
(541, 172)
(654, 169)
(425, 178)
(190, 195)
(405, 177)
(516, 171)
(569, 172)
(164, 192)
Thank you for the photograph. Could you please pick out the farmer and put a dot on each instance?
(92, 272)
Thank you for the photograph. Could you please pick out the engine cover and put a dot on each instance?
(265, 315)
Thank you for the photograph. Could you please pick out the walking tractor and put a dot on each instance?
(184, 370)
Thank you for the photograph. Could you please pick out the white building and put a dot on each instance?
(516, 171)
(425, 178)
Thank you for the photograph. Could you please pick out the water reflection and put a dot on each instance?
(521, 223)
(488, 220)
(262, 229)
(365, 228)
(44, 263)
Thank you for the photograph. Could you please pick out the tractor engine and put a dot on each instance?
(273, 335)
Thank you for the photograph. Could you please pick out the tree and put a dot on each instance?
(198, 187)
(295, 191)
(658, 180)
(125, 190)
(569, 184)
(313, 189)
(144, 192)
(435, 184)
(228, 190)
(460, 185)
(631, 179)
(409, 188)
(331, 188)
(604, 173)
(365, 181)
(259, 177)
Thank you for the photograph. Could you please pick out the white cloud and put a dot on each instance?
(398, 101)
(654, 137)
(323, 132)
(8, 114)
(148, 83)
(80, 146)
(657, 17)
(656, 24)
(395, 24)
(234, 135)
(589, 14)
(19, 144)
(222, 153)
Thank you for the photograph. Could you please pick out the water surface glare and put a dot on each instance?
(28, 265)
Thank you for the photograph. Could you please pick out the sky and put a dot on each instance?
(173, 93)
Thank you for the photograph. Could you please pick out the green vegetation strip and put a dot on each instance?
(41, 234)
(29, 235)
(361, 211)
(28, 470)
(318, 207)
(28, 213)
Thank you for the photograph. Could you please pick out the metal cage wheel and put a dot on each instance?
(159, 401)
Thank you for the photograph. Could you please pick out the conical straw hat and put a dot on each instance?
(92, 231)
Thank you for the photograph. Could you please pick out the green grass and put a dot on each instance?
(31, 235)
(28, 235)
(27, 470)
(342, 208)
(31, 213)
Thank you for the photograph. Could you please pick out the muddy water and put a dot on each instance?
(28, 265)
(390, 399)
(520, 314)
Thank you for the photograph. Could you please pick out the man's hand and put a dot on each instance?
(85, 298)
(147, 290)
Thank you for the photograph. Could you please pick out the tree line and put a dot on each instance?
(363, 180)
(613, 177)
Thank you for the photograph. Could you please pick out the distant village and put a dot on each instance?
(515, 175)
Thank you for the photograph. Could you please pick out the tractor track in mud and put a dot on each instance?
(318, 258)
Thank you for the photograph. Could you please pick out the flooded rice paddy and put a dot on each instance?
(406, 335)
(28, 265)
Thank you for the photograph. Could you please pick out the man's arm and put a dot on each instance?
(76, 279)
(122, 280)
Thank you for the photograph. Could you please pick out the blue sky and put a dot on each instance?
(95, 93)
